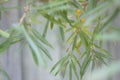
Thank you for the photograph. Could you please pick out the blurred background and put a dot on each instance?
(20, 65)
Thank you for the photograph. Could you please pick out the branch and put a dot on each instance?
(26, 10)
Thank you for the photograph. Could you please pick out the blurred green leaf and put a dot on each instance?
(4, 34)
(62, 67)
(33, 45)
(74, 42)
(51, 25)
(52, 19)
(75, 69)
(35, 20)
(64, 70)
(41, 38)
(71, 37)
(4, 46)
(84, 40)
(70, 71)
(76, 61)
(85, 64)
(34, 56)
(58, 63)
(77, 5)
(62, 33)
(45, 29)
(107, 24)
(93, 65)
(44, 50)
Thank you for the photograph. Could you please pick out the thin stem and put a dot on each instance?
(26, 10)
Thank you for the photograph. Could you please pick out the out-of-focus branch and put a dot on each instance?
(26, 10)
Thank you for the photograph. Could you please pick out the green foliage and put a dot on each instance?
(89, 23)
